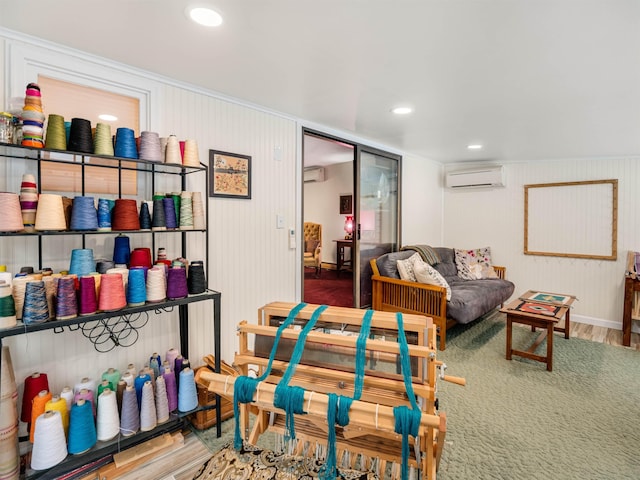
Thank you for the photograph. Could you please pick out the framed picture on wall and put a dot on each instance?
(230, 175)
(346, 204)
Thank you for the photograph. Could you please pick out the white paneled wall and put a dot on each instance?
(495, 217)
(250, 261)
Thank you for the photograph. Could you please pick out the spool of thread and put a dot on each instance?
(156, 285)
(191, 157)
(187, 393)
(170, 213)
(159, 221)
(19, 289)
(80, 136)
(103, 266)
(172, 151)
(87, 396)
(87, 299)
(82, 429)
(112, 296)
(186, 211)
(124, 272)
(131, 368)
(111, 375)
(171, 389)
(84, 215)
(67, 395)
(105, 385)
(49, 443)
(10, 212)
(121, 250)
(125, 143)
(108, 419)
(171, 356)
(8, 317)
(139, 382)
(196, 281)
(28, 201)
(38, 408)
(5, 276)
(175, 196)
(67, 305)
(147, 370)
(82, 262)
(125, 215)
(148, 416)
(50, 213)
(8, 387)
(198, 211)
(36, 309)
(145, 216)
(162, 401)
(140, 257)
(56, 137)
(128, 378)
(85, 384)
(33, 385)
(51, 292)
(104, 214)
(102, 142)
(178, 368)
(59, 404)
(119, 394)
(150, 148)
(177, 283)
(129, 416)
(136, 288)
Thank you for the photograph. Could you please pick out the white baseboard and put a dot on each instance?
(599, 322)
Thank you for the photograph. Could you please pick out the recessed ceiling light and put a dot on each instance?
(107, 118)
(204, 16)
(474, 146)
(402, 110)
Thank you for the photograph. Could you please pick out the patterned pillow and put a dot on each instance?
(474, 264)
(425, 273)
(405, 267)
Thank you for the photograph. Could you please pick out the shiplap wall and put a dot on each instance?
(495, 217)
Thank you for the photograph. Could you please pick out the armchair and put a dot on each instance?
(313, 246)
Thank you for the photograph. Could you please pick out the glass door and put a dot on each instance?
(377, 216)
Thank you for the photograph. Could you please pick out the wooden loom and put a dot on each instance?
(327, 366)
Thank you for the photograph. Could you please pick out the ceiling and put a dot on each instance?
(529, 80)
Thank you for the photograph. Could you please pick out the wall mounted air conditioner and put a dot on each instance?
(313, 174)
(492, 176)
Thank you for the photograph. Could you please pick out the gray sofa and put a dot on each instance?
(470, 299)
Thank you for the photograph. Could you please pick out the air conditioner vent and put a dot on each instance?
(313, 174)
(492, 176)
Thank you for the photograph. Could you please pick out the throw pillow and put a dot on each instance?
(405, 267)
(425, 273)
(474, 264)
(311, 245)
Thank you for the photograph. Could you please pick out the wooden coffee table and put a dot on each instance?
(539, 310)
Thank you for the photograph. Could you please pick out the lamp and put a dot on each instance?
(348, 227)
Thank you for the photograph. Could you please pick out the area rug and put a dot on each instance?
(516, 421)
(257, 463)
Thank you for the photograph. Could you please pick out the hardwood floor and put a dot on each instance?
(602, 334)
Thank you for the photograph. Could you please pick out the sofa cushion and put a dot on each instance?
(425, 273)
(447, 266)
(387, 263)
(311, 244)
(405, 267)
(474, 264)
(471, 299)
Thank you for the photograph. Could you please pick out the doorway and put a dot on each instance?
(351, 193)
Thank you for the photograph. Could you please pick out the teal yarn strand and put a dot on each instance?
(407, 420)
(361, 344)
(245, 387)
(291, 399)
